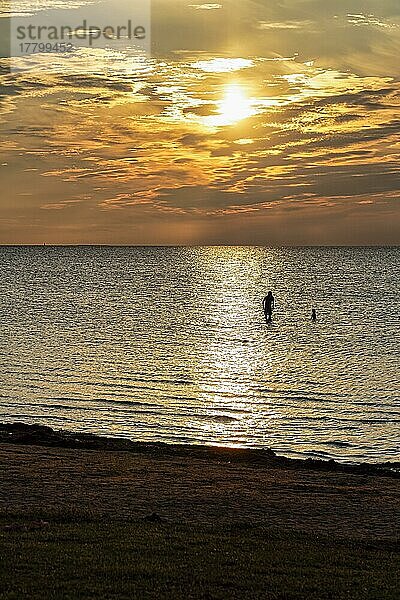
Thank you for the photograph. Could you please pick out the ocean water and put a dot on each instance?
(170, 344)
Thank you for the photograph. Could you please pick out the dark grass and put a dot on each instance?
(111, 559)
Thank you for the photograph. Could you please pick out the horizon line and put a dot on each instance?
(104, 245)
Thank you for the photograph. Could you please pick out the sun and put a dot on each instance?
(234, 106)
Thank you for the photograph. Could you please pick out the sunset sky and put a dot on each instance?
(273, 123)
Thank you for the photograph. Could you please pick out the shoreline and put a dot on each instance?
(79, 495)
(58, 476)
(22, 433)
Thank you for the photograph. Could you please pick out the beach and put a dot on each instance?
(50, 480)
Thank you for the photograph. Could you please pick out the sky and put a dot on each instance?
(266, 123)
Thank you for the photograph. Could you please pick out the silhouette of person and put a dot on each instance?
(313, 315)
(268, 306)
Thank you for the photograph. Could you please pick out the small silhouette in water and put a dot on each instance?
(313, 315)
(268, 306)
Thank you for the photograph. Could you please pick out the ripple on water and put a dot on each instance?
(170, 344)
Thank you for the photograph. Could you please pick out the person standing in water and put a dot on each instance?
(268, 306)
(313, 315)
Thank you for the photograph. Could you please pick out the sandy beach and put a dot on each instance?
(119, 479)
(83, 516)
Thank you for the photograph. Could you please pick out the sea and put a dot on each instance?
(170, 344)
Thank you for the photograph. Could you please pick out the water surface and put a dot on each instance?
(170, 344)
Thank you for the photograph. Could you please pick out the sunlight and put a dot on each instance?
(222, 65)
(234, 106)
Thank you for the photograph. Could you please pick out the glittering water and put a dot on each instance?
(171, 344)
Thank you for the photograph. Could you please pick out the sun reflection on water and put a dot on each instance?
(233, 360)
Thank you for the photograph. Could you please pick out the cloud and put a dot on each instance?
(285, 25)
(206, 6)
(266, 127)
(369, 20)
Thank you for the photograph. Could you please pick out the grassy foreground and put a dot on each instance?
(114, 559)
(83, 517)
